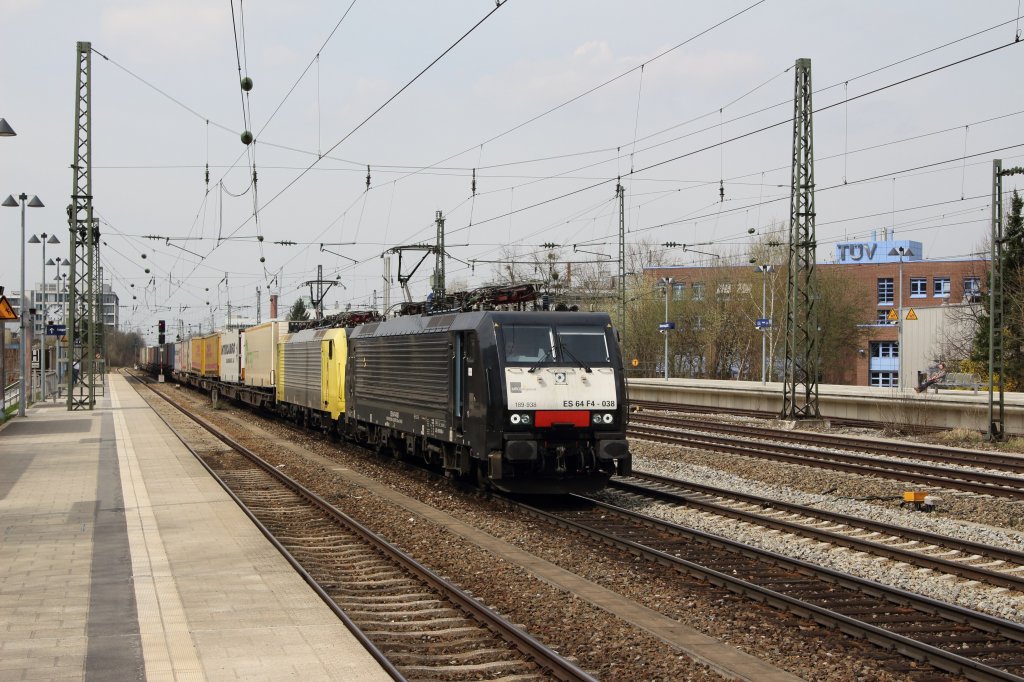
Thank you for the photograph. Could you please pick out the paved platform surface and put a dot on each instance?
(122, 559)
(949, 408)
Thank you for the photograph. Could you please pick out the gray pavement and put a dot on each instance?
(122, 559)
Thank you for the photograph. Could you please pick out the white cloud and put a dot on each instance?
(189, 27)
(544, 81)
(12, 8)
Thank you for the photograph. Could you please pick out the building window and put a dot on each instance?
(885, 289)
(882, 316)
(698, 291)
(918, 287)
(679, 291)
(941, 286)
(723, 292)
(884, 379)
(972, 290)
(885, 349)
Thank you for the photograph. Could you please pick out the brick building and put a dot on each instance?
(889, 276)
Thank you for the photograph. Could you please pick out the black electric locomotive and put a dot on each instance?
(524, 401)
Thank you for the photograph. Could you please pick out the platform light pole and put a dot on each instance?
(765, 268)
(667, 281)
(43, 239)
(5, 131)
(902, 252)
(34, 202)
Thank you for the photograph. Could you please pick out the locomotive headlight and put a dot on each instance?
(526, 419)
(515, 419)
(608, 417)
(596, 418)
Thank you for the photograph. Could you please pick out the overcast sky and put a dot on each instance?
(894, 158)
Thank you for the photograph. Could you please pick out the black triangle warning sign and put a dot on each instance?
(6, 311)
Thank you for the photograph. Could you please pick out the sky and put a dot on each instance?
(547, 103)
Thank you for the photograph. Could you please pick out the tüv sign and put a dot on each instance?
(877, 252)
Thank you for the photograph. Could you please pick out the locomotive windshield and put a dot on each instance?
(583, 344)
(544, 344)
(528, 343)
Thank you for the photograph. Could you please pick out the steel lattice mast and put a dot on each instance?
(620, 193)
(802, 336)
(84, 241)
(996, 397)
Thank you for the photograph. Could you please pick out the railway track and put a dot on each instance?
(999, 485)
(418, 625)
(923, 549)
(950, 638)
(890, 448)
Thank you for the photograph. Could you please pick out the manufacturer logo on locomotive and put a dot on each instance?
(515, 386)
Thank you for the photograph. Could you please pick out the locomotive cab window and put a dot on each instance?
(583, 343)
(528, 343)
(545, 345)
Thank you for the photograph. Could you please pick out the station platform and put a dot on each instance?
(122, 559)
(946, 408)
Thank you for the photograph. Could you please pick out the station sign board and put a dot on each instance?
(763, 323)
(56, 329)
(665, 326)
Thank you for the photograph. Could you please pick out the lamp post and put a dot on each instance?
(765, 268)
(5, 131)
(61, 299)
(900, 251)
(43, 239)
(667, 281)
(34, 202)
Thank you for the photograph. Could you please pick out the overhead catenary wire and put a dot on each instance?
(964, 165)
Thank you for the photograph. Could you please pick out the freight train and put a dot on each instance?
(524, 401)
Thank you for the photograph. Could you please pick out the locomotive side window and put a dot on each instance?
(587, 344)
(528, 343)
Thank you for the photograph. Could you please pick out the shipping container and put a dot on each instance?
(182, 355)
(230, 347)
(259, 344)
(206, 355)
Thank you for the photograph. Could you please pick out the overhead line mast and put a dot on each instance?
(83, 335)
(803, 347)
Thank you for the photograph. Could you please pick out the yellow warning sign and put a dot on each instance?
(893, 316)
(911, 315)
(6, 311)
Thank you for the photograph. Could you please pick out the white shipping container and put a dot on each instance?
(260, 353)
(231, 356)
(182, 356)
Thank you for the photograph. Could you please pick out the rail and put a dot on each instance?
(976, 645)
(532, 649)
